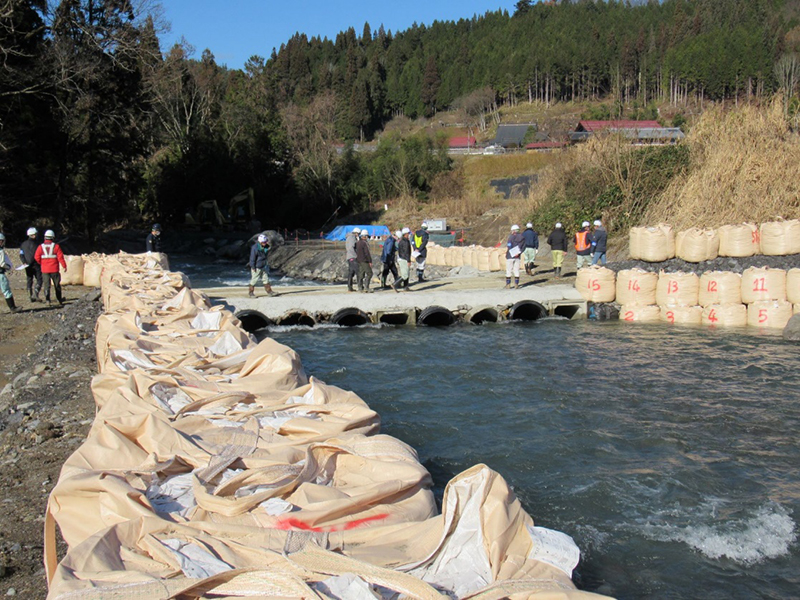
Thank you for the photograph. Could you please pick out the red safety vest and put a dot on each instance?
(582, 241)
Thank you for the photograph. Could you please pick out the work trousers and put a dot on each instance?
(55, 278)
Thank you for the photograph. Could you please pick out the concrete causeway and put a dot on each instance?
(476, 299)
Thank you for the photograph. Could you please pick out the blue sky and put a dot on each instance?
(237, 29)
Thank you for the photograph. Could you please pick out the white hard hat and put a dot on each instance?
(529, 226)
(49, 234)
(585, 224)
(424, 225)
(515, 228)
(598, 223)
(558, 225)
(262, 238)
(32, 231)
(398, 233)
(356, 230)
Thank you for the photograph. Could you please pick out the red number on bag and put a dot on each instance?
(712, 286)
(633, 285)
(628, 316)
(763, 317)
(760, 285)
(712, 316)
(671, 316)
(672, 288)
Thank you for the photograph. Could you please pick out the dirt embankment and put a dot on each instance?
(46, 408)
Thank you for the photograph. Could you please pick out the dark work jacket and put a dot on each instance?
(153, 243)
(27, 249)
(389, 250)
(600, 240)
(404, 249)
(531, 238)
(362, 252)
(258, 256)
(557, 240)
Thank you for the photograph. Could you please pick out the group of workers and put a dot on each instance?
(590, 246)
(40, 261)
(401, 250)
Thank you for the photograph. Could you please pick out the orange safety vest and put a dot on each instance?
(582, 241)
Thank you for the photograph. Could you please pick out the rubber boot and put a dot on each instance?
(508, 283)
(268, 289)
(11, 306)
(251, 291)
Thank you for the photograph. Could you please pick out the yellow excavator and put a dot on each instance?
(241, 210)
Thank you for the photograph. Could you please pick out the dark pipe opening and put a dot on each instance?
(487, 315)
(436, 316)
(297, 318)
(566, 310)
(349, 317)
(394, 319)
(252, 320)
(527, 310)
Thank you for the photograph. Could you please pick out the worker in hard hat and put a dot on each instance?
(515, 246)
(350, 241)
(259, 268)
(6, 267)
(364, 259)
(50, 256)
(420, 252)
(531, 248)
(558, 247)
(33, 272)
(154, 239)
(403, 260)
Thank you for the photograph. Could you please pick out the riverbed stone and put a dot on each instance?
(792, 330)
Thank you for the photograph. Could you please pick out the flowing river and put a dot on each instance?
(670, 455)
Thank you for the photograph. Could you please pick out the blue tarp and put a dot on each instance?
(340, 232)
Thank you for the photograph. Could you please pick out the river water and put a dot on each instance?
(670, 455)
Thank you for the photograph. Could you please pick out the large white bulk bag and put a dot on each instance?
(771, 314)
(720, 287)
(697, 245)
(725, 315)
(640, 314)
(763, 283)
(652, 244)
(739, 240)
(678, 289)
(779, 238)
(636, 287)
(596, 284)
(74, 273)
(682, 315)
(793, 286)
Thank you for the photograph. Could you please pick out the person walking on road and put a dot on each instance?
(558, 247)
(420, 252)
(515, 247)
(583, 245)
(388, 257)
(259, 268)
(153, 241)
(33, 272)
(50, 256)
(403, 259)
(364, 259)
(350, 241)
(531, 248)
(6, 267)
(599, 243)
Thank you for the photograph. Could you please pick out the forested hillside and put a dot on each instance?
(99, 125)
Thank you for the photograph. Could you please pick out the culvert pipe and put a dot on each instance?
(252, 320)
(293, 318)
(527, 310)
(483, 314)
(349, 317)
(436, 316)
